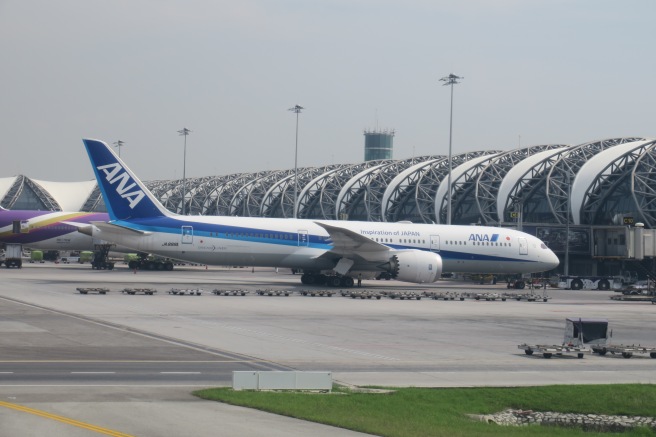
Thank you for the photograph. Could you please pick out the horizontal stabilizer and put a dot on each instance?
(111, 227)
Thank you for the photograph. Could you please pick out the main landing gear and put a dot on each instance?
(101, 258)
(331, 281)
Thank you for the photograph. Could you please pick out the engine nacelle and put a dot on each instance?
(416, 266)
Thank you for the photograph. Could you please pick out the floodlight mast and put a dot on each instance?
(184, 131)
(297, 110)
(119, 144)
(451, 80)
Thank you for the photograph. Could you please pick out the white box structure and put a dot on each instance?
(279, 380)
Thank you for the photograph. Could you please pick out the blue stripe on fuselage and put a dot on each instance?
(173, 227)
(237, 233)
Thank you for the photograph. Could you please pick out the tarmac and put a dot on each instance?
(128, 363)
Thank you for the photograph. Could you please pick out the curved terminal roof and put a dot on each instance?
(456, 175)
(609, 178)
(597, 167)
(522, 174)
(69, 195)
(402, 183)
(5, 185)
(643, 189)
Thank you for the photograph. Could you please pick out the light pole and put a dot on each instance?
(568, 206)
(297, 110)
(451, 79)
(119, 144)
(184, 131)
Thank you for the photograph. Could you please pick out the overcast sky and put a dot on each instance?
(535, 72)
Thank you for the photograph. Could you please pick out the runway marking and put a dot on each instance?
(94, 373)
(63, 419)
(5, 373)
(130, 361)
(179, 373)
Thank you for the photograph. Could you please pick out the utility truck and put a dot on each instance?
(13, 255)
(589, 283)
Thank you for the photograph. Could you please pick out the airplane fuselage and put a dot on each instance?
(305, 244)
(47, 230)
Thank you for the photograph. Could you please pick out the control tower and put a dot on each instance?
(378, 144)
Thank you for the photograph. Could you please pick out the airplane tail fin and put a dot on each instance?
(126, 197)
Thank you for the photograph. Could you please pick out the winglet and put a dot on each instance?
(126, 197)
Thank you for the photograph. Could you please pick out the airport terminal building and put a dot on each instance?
(590, 192)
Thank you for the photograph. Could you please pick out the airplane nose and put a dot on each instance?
(551, 261)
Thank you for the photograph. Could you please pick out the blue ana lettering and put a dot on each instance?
(484, 237)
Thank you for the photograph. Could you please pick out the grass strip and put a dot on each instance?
(417, 412)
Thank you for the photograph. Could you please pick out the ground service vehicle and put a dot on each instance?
(13, 255)
(587, 335)
(588, 283)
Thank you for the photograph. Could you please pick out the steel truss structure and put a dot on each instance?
(587, 184)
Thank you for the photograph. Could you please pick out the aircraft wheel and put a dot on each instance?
(334, 281)
(348, 281)
(576, 284)
(168, 266)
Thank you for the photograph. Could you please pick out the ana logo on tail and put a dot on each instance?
(113, 174)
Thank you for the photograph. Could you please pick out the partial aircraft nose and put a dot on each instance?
(548, 258)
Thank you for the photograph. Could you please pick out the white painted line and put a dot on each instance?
(94, 373)
(179, 373)
(4, 373)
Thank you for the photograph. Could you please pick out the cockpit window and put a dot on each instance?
(544, 246)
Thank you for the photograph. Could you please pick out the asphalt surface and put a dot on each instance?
(128, 363)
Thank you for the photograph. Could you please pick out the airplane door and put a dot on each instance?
(21, 226)
(523, 246)
(187, 235)
(435, 243)
(303, 239)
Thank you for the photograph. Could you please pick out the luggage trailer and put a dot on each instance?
(580, 335)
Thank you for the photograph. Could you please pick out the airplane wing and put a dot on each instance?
(350, 244)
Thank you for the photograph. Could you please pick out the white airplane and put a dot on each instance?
(332, 252)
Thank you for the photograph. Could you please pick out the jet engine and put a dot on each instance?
(415, 266)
